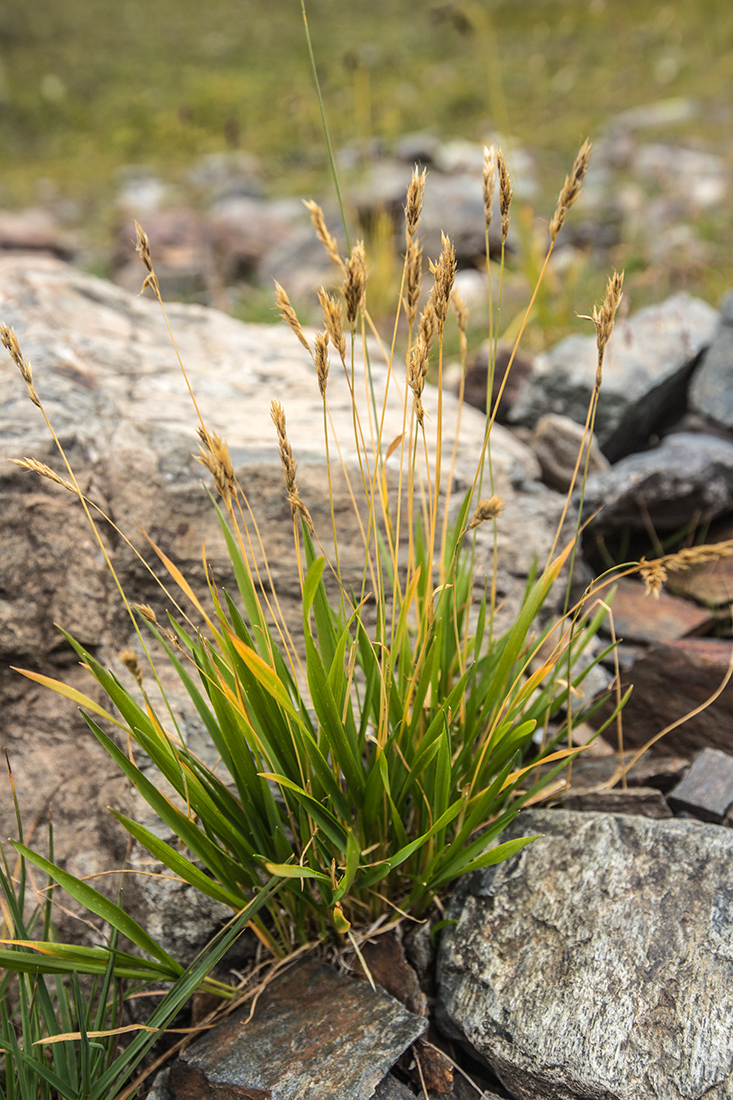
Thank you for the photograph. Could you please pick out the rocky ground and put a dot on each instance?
(596, 964)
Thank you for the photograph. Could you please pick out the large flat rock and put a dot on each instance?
(597, 964)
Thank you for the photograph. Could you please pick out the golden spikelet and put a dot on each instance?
(460, 310)
(43, 470)
(320, 359)
(147, 612)
(327, 240)
(444, 274)
(214, 455)
(505, 193)
(131, 663)
(654, 577)
(333, 316)
(289, 315)
(413, 206)
(143, 250)
(489, 182)
(10, 341)
(288, 463)
(486, 510)
(355, 282)
(413, 279)
(654, 573)
(428, 323)
(604, 318)
(571, 189)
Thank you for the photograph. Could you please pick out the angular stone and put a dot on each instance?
(660, 771)
(710, 390)
(641, 618)
(557, 440)
(645, 801)
(314, 1035)
(686, 475)
(669, 682)
(706, 792)
(597, 962)
(647, 365)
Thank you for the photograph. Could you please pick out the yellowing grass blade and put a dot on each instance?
(561, 754)
(70, 693)
(180, 580)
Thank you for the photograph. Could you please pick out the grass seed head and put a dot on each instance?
(147, 612)
(131, 663)
(413, 206)
(288, 463)
(505, 193)
(571, 189)
(289, 315)
(489, 181)
(413, 279)
(654, 576)
(486, 510)
(43, 470)
(10, 341)
(355, 282)
(214, 455)
(444, 274)
(327, 240)
(320, 359)
(333, 316)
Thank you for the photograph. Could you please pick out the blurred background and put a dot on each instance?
(201, 120)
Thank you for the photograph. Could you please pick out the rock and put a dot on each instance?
(314, 1035)
(557, 440)
(641, 618)
(229, 175)
(710, 583)
(696, 179)
(710, 391)
(686, 477)
(648, 363)
(33, 230)
(109, 379)
(670, 681)
(596, 963)
(645, 801)
(476, 371)
(657, 770)
(706, 791)
(244, 229)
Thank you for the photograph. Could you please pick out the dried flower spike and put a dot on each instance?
(10, 341)
(486, 510)
(327, 240)
(333, 316)
(489, 181)
(147, 612)
(288, 463)
(289, 315)
(654, 577)
(214, 455)
(355, 282)
(505, 193)
(320, 359)
(413, 207)
(43, 470)
(444, 273)
(413, 279)
(131, 663)
(571, 189)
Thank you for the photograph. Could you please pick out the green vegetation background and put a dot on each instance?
(87, 86)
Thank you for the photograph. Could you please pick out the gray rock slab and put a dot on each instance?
(707, 789)
(711, 392)
(686, 475)
(314, 1035)
(645, 801)
(647, 366)
(596, 965)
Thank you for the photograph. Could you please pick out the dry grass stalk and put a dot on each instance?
(10, 341)
(327, 240)
(143, 250)
(489, 182)
(460, 309)
(416, 374)
(413, 207)
(604, 318)
(428, 324)
(571, 189)
(320, 359)
(486, 510)
(355, 282)
(333, 316)
(289, 315)
(43, 470)
(288, 463)
(444, 274)
(131, 663)
(505, 193)
(214, 455)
